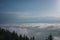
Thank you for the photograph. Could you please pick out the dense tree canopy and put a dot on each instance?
(7, 35)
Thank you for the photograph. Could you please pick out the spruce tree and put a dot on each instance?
(50, 37)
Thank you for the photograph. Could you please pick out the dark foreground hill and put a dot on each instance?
(7, 35)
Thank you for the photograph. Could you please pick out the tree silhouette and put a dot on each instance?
(50, 37)
(7, 35)
(20, 37)
(32, 38)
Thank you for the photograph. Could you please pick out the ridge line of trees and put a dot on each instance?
(7, 35)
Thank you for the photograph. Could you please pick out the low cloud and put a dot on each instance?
(39, 30)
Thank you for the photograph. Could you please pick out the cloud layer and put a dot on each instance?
(39, 30)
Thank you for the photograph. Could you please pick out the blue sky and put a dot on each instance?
(16, 11)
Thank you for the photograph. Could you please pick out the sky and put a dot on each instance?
(36, 18)
(29, 11)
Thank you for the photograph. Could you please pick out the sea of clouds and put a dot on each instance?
(39, 30)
